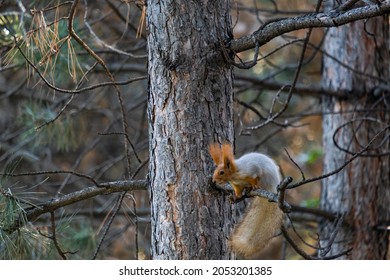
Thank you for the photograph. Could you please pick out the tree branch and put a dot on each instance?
(300, 89)
(78, 90)
(332, 18)
(337, 170)
(277, 198)
(33, 213)
(304, 254)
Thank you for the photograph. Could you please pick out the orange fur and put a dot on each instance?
(215, 152)
(263, 219)
(260, 223)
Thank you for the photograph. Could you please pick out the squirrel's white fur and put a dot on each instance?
(263, 219)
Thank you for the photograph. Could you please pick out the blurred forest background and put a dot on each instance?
(61, 121)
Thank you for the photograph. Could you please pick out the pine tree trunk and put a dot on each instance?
(361, 191)
(189, 106)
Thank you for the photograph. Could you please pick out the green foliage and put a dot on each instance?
(80, 239)
(76, 239)
(23, 243)
(47, 45)
(29, 242)
(313, 156)
(26, 243)
(311, 203)
(11, 28)
(54, 53)
(59, 135)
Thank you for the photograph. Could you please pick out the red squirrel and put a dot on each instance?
(263, 219)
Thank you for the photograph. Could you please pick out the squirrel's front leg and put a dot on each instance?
(241, 191)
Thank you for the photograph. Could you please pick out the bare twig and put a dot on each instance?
(313, 212)
(331, 239)
(296, 164)
(54, 236)
(361, 120)
(81, 175)
(346, 6)
(244, 65)
(304, 254)
(299, 89)
(281, 193)
(100, 41)
(337, 170)
(272, 116)
(74, 35)
(80, 90)
(108, 225)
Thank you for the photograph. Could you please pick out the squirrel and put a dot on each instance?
(263, 219)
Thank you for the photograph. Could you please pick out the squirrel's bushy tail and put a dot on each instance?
(260, 223)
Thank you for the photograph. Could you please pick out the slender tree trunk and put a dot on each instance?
(357, 61)
(189, 106)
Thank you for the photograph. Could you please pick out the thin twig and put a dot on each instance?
(74, 35)
(54, 236)
(296, 76)
(53, 172)
(337, 170)
(296, 164)
(281, 194)
(385, 138)
(80, 90)
(304, 254)
(338, 225)
(108, 225)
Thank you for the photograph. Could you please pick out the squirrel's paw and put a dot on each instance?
(245, 192)
(233, 199)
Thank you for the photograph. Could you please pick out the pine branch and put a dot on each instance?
(32, 213)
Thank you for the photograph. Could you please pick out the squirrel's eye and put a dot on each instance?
(221, 172)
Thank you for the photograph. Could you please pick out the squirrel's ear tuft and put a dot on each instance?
(227, 163)
(215, 152)
(227, 152)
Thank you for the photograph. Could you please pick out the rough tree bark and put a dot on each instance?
(362, 190)
(189, 106)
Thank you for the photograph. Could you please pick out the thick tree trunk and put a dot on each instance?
(190, 105)
(361, 191)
